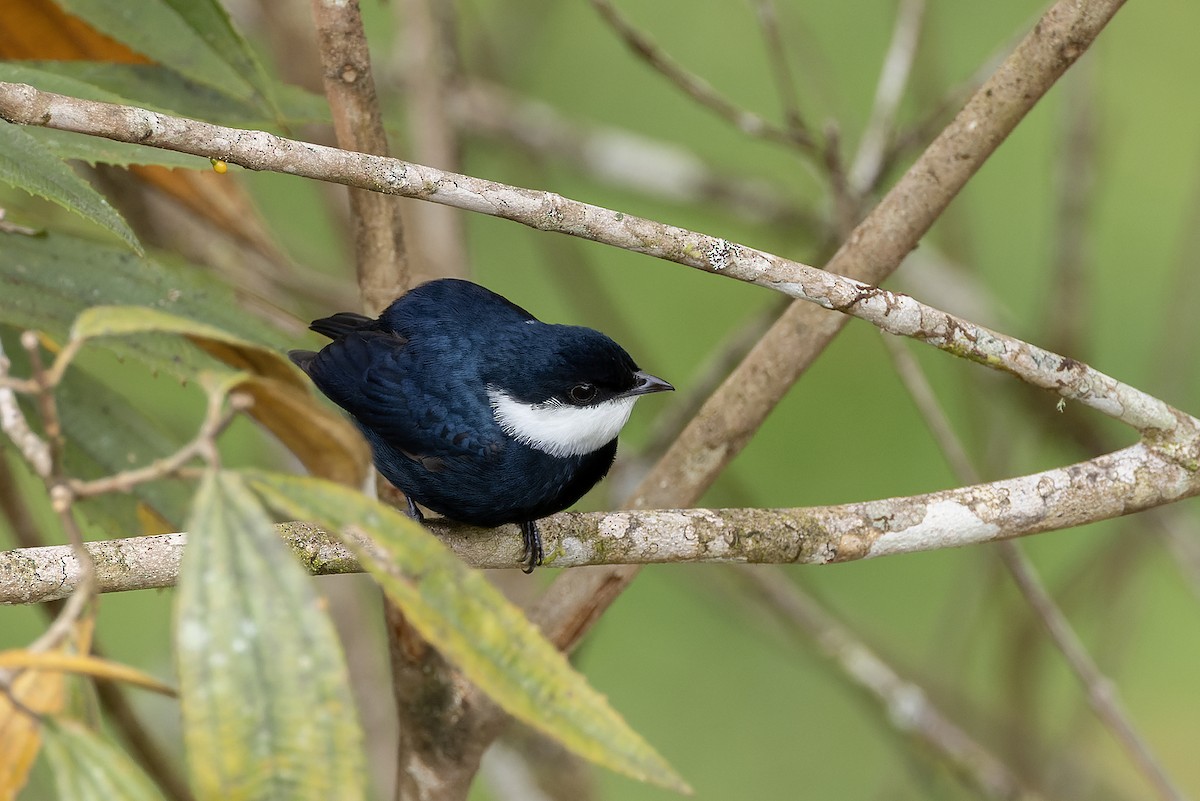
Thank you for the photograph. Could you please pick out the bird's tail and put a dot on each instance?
(341, 324)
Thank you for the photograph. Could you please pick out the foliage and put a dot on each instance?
(165, 286)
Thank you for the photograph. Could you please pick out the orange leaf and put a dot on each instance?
(39, 29)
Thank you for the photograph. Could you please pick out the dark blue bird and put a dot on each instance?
(474, 408)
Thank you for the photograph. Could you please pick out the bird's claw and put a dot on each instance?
(533, 555)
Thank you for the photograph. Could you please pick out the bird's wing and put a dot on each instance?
(389, 386)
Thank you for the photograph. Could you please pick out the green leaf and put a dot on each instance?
(470, 622)
(266, 702)
(199, 43)
(28, 165)
(241, 354)
(47, 282)
(160, 88)
(283, 401)
(94, 150)
(106, 434)
(88, 766)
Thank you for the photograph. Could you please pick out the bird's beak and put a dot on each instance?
(647, 383)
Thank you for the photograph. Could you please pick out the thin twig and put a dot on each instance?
(622, 158)
(866, 168)
(1075, 178)
(905, 703)
(12, 422)
(1101, 693)
(61, 500)
(216, 420)
(767, 16)
(697, 88)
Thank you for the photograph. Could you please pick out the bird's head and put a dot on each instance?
(567, 390)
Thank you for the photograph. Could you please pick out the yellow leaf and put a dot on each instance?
(61, 661)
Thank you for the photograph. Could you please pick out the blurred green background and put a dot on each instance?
(740, 704)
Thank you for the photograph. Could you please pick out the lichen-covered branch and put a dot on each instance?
(890, 311)
(1129, 480)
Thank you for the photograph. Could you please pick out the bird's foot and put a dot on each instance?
(413, 511)
(533, 554)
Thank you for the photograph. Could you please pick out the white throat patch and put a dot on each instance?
(557, 428)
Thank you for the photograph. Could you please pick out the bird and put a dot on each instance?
(474, 408)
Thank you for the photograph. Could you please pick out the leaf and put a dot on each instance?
(39, 692)
(40, 29)
(28, 165)
(82, 664)
(47, 282)
(107, 433)
(326, 444)
(21, 733)
(108, 321)
(159, 88)
(156, 29)
(469, 621)
(266, 701)
(88, 766)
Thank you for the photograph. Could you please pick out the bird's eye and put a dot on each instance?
(582, 393)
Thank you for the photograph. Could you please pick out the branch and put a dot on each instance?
(350, 91)
(892, 312)
(1115, 484)
(875, 249)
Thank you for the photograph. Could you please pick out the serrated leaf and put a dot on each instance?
(47, 281)
(28, 165)
(470, 622)
(159, 88)
(266, 701)
(88, 766)
(158, 30)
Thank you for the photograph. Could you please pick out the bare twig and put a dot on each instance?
(768, 22)
(697, 88)
(905, 703)
(1102, 694)
(216, 420)
(350, 89)
(33, 448)
(889, 311)
(867, 166)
